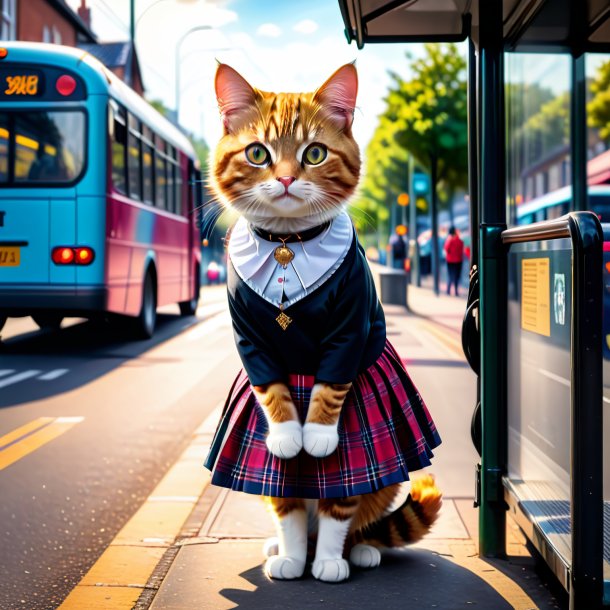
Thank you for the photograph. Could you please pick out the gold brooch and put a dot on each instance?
(283, 254)
(283, 320)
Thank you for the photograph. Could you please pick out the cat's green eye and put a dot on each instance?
(314, 154)
(257, 154)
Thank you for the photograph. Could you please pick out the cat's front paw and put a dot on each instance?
(320, 440)
(284, 568)
(330, 570)
(285, 439)
(271, 547)
(365, 556)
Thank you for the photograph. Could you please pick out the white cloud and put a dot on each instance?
(269, 29)
(307, 26)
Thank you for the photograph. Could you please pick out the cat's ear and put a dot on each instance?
(337, 96)
(235, 96)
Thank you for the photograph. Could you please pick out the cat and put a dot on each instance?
(324, 416)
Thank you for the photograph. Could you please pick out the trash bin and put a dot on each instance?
(393, 284)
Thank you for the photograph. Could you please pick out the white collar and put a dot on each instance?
(314, 260)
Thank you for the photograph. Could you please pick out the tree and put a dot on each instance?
(598, 109)
(428, 117)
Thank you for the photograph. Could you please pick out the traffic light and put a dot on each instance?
(421, 183)
(403, 199)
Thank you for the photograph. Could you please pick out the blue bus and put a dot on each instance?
(96, 197)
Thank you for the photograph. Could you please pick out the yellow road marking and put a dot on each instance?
(465, 556)
(445, 337)
(26, 429)
(119, 576)
(28, 438)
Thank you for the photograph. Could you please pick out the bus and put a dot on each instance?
(559, 202)
(97, 195)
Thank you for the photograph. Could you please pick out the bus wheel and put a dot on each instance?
(48, 321)
(144, 324)
(189, 308)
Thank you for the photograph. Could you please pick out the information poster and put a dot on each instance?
(535, 295)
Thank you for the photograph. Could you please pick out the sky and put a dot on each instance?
(277, 45)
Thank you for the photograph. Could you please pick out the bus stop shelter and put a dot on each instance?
(556, 492)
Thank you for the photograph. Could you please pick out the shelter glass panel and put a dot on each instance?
(538, 136)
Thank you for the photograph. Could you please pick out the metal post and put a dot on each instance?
(492, 264)
(415, 274)
(586, 576)
(473, 160)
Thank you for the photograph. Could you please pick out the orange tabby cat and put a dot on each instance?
(326, 410)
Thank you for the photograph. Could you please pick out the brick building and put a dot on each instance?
(55, 22)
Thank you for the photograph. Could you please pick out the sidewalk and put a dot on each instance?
(216, 561)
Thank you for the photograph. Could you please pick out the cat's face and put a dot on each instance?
(286, 161)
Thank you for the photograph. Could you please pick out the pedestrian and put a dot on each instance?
(399, 250)
(454, 254)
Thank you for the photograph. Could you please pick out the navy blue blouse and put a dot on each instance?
(336, 332)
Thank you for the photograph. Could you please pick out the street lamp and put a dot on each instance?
(197, 28)
(132, 30)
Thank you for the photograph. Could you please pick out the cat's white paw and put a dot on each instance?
(365, 556)
(284, 568)
(320, 440)
(330, 570)
(285, 439)
(271, 547)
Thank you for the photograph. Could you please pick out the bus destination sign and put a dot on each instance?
(20, 84)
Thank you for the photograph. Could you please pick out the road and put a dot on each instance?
(88, 426)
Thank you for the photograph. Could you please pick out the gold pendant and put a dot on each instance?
(283, 255)
(283, 320)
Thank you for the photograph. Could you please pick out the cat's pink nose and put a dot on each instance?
(286, 181)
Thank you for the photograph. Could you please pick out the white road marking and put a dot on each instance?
(6, 372)
(18, 377)
(53, 374)
(69, 420)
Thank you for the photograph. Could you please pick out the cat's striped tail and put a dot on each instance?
(411, 521)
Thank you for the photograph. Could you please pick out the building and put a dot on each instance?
(55, 22)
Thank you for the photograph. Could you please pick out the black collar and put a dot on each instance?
(290, 237)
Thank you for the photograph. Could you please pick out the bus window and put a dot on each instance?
(171, 170)
(49, 146)
(147, 172)
(161, 180)
(179, 209)
(134, 160)
(119, 144)
(4, 135)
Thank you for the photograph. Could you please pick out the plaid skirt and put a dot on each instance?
(385, 431)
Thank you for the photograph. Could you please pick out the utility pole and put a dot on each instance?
(132, 41)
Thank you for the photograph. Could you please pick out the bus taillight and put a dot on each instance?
(63, 256)
(3, 52)
(65, 85)
(66, 255)
(84, 256)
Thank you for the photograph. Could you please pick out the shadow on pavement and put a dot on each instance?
(416, 578)
(88, 351)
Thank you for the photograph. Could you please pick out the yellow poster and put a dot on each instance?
(535, 295)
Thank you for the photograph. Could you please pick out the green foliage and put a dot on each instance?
(426, 117)
(429, 113)
(598, 109)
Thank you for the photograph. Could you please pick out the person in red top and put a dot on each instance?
(454, 254)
